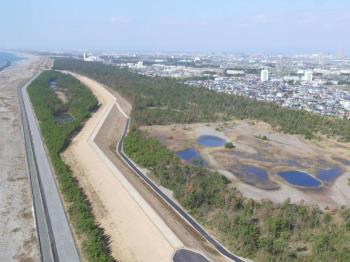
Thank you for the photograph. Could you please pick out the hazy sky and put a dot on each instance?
(180, 25)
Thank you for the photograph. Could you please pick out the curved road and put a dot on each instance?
(185, 255)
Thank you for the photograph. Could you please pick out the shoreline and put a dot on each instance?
(19, 234)
(8, 64)
(17, 59)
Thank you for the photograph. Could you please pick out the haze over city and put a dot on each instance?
(272, 26)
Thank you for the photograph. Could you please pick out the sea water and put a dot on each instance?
(6, 57)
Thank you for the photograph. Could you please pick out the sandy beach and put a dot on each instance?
(18, 239)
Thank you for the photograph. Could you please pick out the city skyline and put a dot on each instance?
(272, 26)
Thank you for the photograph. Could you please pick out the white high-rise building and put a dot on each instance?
(139, 64)
(264, 75)
(308, 76)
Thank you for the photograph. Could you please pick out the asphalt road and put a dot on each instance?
(55, 236)
(184, 255)
(219, 247)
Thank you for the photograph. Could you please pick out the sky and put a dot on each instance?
(269, 26)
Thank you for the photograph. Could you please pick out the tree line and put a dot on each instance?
(165, 101)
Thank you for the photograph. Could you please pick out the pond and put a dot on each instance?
(53, 84)
(191, 156)
(210, 141)
(330, 174)
(254, 174)
(298, 178)
(64, 118)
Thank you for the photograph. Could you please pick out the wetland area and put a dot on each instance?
(264, 163)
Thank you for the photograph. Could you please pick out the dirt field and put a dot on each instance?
(280, 152)
(18, 238)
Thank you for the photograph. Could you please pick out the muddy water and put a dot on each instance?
(192, 156)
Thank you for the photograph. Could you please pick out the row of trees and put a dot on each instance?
(165, 101)
(81, 102)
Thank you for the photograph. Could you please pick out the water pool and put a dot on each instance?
(330, 174)
(254, 174)
(192, 156)
(298, 178)
(211, 141)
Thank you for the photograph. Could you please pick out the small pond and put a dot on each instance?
(298, 178)
(254, 174)
(53, 84)
(191, 156)
(211, 141)
(64, 118)
(329, 174)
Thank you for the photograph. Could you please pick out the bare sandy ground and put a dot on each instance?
(272, 155)
(18, 238)
(137, 233)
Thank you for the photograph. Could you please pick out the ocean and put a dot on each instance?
(6, 57)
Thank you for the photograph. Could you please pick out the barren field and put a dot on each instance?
(18, 239)
(275, 153)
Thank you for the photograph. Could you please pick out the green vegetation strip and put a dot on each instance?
(260, 230)
(81, 102)
(166, 101)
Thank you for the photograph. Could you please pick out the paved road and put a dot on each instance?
(55, 236)
(175, 206)
(184, 255)
(42, 227)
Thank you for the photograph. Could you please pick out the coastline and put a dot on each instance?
(19, 234)
(16, 58)
(8, 63)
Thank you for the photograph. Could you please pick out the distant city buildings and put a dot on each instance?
(234, 72)
(308, 76)
(90, 58)
(264, 75)
(315, 83)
